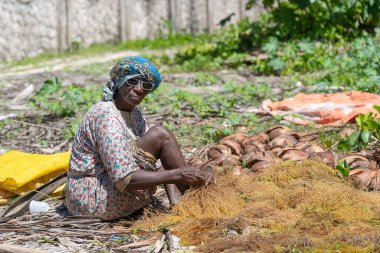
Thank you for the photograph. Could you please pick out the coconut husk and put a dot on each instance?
(225, 160)
(366, 178)
(248, 156)
(255, 146)
(216, 161)
(304, 196)
(237, 170)
(327, 157)
(293, 154)
(284, 141)
(251, 149)
(218, 150)
(211, 166)
(261, 166)
(277, 131)
(257, 157)
(309, 148)
(231, 160)
(233, 145)
(261, 138)
(196, 162)
(236, 137)
(376, 154)
(358, 161)
(308, 136)
(276, 150)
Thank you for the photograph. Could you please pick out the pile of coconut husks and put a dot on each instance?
(254, 153)
(277, 191)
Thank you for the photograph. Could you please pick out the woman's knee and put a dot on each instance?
(161, 132)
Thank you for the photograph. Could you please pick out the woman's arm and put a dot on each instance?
(187, 175)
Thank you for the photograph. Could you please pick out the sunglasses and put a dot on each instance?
(148, 86)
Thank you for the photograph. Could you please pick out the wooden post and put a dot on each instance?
(173, 13)
(63, 25)
(192, 14)
(123, 36)
(68, 22)
(210, 16)
(241, 9)
(60, 41)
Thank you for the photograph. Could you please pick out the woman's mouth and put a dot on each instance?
(136, 97)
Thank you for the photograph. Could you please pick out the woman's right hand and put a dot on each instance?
(194, 177)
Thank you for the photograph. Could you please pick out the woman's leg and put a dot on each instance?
(162, 143)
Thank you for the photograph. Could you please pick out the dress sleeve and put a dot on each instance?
(115, 148)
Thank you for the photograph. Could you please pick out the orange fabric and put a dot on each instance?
(331, 109)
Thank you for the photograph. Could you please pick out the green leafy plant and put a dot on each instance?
(328, 18)
(217, 133)
(368, 129)
(328, 140)
(64, 101)
(343, 168)
(205, 79)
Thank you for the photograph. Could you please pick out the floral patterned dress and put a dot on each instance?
(102, 154)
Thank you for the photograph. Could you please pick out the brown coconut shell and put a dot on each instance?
(258, 157)
(233, 145)
(366, 178)
(376, 154)
(293, 154)
(237, 170)
(284, 141)
(309, 148)
(254, 146)
(217, 160)
(218, 150)
(276, 150)
(225, 160)
(277, 131)
(358, 161)
(327, 157)
(248, 156)
(231, 160)
(261, 138)
(367, 153)
(308, 136)
(236, 137)
(257, 167)
(196, 162)
(251, 149)
(375, 183)
(211, 166)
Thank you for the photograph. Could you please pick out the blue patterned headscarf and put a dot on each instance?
(129, 67)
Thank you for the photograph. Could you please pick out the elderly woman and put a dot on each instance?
(113, 161)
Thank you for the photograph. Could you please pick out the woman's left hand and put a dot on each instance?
(210, 174)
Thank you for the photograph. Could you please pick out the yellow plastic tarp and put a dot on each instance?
(22, 172)
(6, 196)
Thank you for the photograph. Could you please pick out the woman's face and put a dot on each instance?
(129, 96)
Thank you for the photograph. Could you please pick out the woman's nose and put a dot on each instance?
(139, 88)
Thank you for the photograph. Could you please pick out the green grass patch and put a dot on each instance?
(170, 41)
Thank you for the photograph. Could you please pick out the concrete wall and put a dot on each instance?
(25, 30)
(30, 27)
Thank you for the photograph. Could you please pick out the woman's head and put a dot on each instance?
(133, 70)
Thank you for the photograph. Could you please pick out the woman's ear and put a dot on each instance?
(115, 94)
